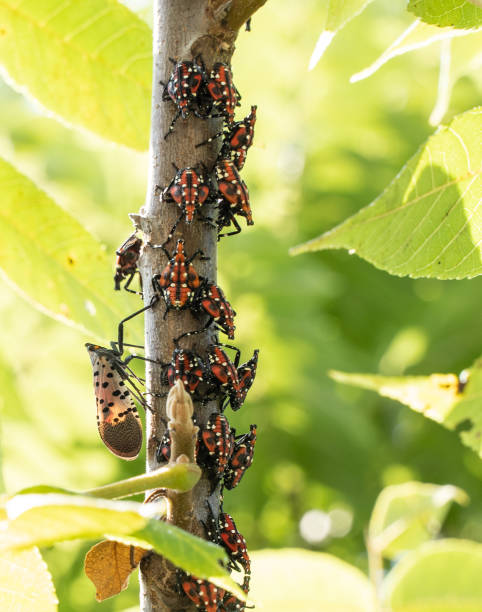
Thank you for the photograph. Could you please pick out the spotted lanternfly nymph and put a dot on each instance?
(117, 418)
(179, 282)
(126, 262)
(234, 543)
(224, 95)
(246, 376)
(236, 139)
(241, 458)
(188, 367)
(224, 375)
(216, 442)
(213, 301)
(183, 89)
(205, 595)
(234, 197)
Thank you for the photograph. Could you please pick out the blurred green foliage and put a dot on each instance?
(323, 149)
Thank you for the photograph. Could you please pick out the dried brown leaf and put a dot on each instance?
(109, 564)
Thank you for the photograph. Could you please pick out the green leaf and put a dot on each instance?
(428, 221)
(43, 520)
(441, 576)
(437, 397)
(307, 581)
(89, 62)
(25, 582)
(417, 36)
(53, 261)
(406, 515)
(336, 14)
(447, 13)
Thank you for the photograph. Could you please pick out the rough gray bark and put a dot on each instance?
(182, 29)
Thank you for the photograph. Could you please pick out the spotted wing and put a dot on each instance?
(117, 418)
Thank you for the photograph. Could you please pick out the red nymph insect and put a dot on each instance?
(205, 595)
(224, 95)
(126, 262)
(188, 367)
(234, 197)
(216, 442)
(183, 88)
(236, 139)
(213, 301)
(246, 376)
(179, 282)
(241, 458)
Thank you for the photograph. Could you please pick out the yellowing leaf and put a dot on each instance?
(89, 62)
(428, 221)
(292, 579)
(25, 582)
(406, 515)
(441, 576)
(438, 397)
(109, 564)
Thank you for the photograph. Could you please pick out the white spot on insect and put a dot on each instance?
(90, 307)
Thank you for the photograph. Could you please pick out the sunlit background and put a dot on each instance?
(323, 149)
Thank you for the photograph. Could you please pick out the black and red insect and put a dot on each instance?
(126, 262)
(188, 367)
(234, 543)
(234, 197)
(183, 88)
(163, 450)
(241, 458)
(236, 139)
(179, 282)
(190, 190)
(216, 443)
(213, 301)
(246, 376)
(223, 373)
(224, 96)
(205, 595)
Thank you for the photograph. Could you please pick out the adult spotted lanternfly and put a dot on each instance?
(126, 262)
(117, 418)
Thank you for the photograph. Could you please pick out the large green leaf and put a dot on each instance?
(89, 62)
(43, 520)
(336, 14)
(25, 582)
(453, 13)
(442, 576)
(406, 515)
(428, 221)
(53, 261)
(438, 397)
(293, 579)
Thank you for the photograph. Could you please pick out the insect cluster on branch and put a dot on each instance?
(224, 454)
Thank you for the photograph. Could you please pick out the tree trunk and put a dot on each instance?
(183, 30)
